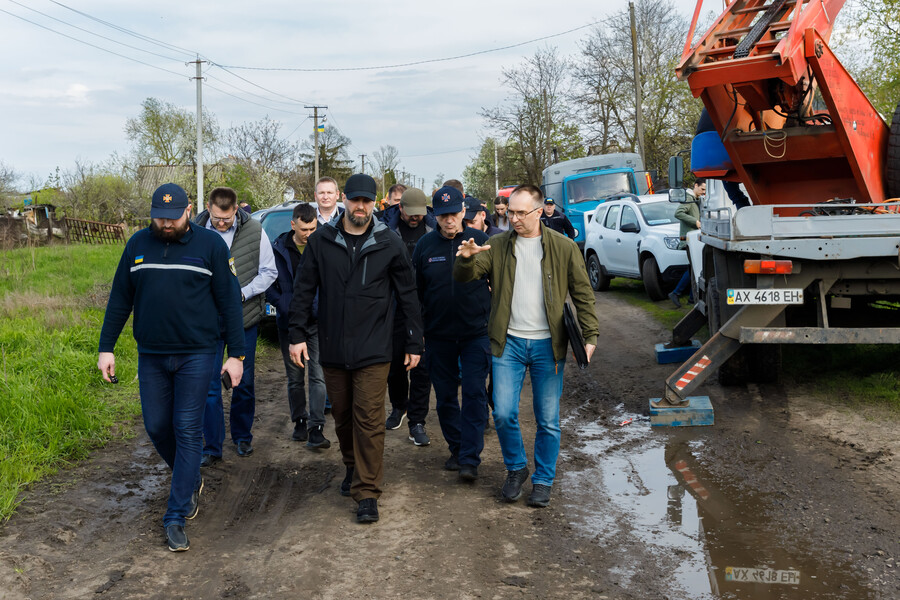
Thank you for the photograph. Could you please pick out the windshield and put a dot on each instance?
(597, 187)
(659, 213)
(277, 222)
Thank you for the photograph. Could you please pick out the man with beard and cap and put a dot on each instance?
(178, 279)
(359, 268)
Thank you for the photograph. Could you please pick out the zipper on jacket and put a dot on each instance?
(365, 264)
(550, 286)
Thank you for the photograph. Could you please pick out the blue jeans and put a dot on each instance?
(451, 362)
(296, 381)
(173, 388)
(243, 401)
(546, 387)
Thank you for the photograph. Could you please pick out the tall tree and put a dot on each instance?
(387, 162)
(260, 143)
(8, 178)
(605, 90)
(165, 134)
(478, 176)
(334, 158)
(872, 43)
(537, 116)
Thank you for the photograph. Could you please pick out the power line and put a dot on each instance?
(252, 102)
(192, 53)
(89, 32)
(414, 63)
(294, 100)
(90, 44)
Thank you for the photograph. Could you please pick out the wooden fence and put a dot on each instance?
(93, 232)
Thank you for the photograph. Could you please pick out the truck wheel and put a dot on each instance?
(763, 362)
(652, 279)
(892, 168)
(599, 279)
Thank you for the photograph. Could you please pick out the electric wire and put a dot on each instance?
(192, 53)
(437, 153)
(294, 100)
(92, 45)
(89, 32)
(292, 112)
(413, 63)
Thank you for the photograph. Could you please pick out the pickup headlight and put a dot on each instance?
(672, 243)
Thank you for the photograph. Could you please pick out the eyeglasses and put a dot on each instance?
(521, 214)
(221, 219)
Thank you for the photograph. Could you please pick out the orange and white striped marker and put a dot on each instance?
(693, 372)
(691, 480)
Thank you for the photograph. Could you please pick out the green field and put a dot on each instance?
(54, 406)
(851, 375)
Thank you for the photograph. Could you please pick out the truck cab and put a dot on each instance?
(579, 185)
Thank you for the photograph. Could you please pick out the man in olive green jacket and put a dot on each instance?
(689, 216)
(531, 269)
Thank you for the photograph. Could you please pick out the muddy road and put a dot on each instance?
(785, 497)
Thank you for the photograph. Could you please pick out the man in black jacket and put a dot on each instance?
(358, 267)
(289, 250)
(409, 391)
(456, 340)
(556, 220)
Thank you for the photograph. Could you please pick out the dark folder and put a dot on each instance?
(575, 338)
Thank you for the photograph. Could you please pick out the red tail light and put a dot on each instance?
(768, 267)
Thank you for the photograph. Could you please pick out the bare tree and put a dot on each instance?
(537, 116)
(166, 134)
(8, 178)
(260, 143)
(605, 77)
(387, 162)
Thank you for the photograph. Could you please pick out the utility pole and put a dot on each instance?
(199, 79)
(363, 158)
(315, 117)
(496, 171)
(638, 113)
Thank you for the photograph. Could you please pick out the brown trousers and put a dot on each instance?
(357, 405)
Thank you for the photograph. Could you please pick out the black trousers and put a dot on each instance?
(409, 391)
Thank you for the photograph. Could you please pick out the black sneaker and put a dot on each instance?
(367, 511)
(512, 489)
(395, 419)
(317, 438)
(300, 434)
(345, 484)
(195, 502)
(177, 538)
(540, 495)
(418, 436)
(468, 472)
(244, 448)
(452, 463)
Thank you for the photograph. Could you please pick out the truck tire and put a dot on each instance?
(599, 279)
(652, 279)
(892, 168)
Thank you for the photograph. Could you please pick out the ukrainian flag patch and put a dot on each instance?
(138, 259)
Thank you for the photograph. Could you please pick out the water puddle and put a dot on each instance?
(650, 489)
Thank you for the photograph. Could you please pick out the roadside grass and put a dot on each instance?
(54, 407)
(854, 375)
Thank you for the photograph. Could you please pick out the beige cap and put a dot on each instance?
(414, 202)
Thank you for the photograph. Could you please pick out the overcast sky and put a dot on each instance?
(62, 100)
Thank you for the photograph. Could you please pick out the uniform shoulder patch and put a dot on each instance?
(231, 266)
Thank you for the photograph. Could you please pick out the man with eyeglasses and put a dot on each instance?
(253, 261)
(531, 269)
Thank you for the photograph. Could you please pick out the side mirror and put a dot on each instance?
(676, 172)
(678, 195)
(629, 228)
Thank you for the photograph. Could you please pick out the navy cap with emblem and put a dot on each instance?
(168, 202)
(447, 200)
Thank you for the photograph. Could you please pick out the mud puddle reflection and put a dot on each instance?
(630, 485)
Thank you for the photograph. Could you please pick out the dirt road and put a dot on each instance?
(783, 498)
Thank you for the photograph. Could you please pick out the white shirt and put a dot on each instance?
(527, 318)
(268, 270)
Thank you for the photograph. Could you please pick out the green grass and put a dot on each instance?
(54, 407)
(854, 375)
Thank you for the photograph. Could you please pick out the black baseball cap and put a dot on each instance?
(168, 202)
(447, 200)
(360, 185)
(473, 206)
